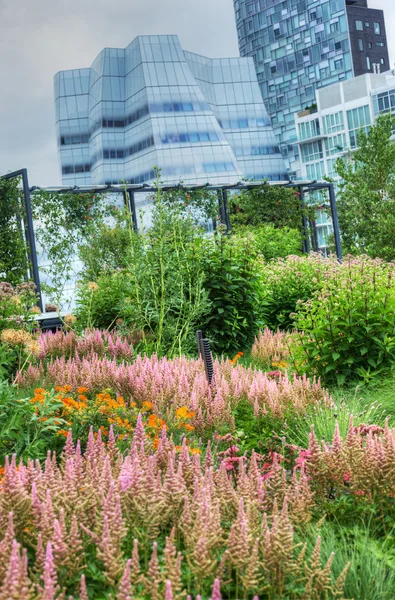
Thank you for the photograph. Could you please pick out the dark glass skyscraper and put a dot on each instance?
(301, 45)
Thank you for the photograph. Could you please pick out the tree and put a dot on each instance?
(366, 196)
(279, 206)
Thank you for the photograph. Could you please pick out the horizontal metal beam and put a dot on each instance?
(310, 185)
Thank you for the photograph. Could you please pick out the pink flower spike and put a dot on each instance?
(169, 593)
(83, 589)
(216, 593)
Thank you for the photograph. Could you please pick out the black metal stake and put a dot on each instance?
(208, 359)
(199, 337)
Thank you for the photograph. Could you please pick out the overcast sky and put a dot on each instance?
(40, 37)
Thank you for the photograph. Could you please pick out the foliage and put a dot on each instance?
(276, 205)
(371, 573)
(289, 281)
(271, 241)
(188, 527)
(169, 384)
(167, 298)
(106, 249)
(79, 410)
(366, 197)
(348, 327)
(160, 291)
(14, 261)
(232, 280)
(100, 303)
(17, 339)
(25, 429)
(65, 221)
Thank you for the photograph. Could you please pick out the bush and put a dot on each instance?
(106, 250)
(160, 291)
(279, 206)
(100, 303)
(288, 281)
(273, 242)
(348, 327)
(233, 284)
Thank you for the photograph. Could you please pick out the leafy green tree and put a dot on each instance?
(65, 221)
(366, 196)
(279, 206)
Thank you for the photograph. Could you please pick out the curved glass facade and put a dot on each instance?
(152, 104)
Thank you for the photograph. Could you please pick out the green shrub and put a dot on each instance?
(278, 206)
(160, 290)
(28, 430)
(100, 303)
(288, 281)
(348, 327)
(167, 297)
(273, 242)
(106, 250)
(234, 287)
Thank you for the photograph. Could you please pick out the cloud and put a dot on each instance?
(40, 37)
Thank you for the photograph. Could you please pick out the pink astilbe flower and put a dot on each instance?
(168, 593)
(50, 580)
(125, 586)
(83, 589)
(16, 583)
(216, 593)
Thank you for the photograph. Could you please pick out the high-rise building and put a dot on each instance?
(330, 130)
(301, 45)
(152, 104)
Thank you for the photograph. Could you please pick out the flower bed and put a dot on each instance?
(156, 524)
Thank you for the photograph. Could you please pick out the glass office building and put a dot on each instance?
(299, 46)
(153, 104)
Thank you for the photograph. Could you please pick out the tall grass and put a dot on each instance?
(371, 575)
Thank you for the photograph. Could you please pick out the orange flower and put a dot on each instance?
(155, 422)
(182, 413)
(189, 427)
(82, 390)
(234, 360)
(195, 451)
(156, 443)
(83, 398)
(39, 391)
(63, 432)
(147, 405)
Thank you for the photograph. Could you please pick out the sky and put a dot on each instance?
(40, 37)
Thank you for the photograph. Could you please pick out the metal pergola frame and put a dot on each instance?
(129, 191)
(29, 230)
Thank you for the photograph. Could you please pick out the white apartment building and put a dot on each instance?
(330, 130)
